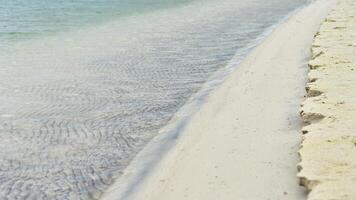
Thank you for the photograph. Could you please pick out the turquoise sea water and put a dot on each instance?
(29, 18)
(86, 84)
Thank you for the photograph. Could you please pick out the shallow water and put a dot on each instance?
(95, 80)
(34, 18)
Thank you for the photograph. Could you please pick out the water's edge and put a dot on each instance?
(78, 106)
(137, 172)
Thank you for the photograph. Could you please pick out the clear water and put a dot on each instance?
(29, 18)
(86, 84)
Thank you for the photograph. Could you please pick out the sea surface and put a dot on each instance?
(86, 84)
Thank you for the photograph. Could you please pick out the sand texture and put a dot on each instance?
(243, 143)
(328, 167)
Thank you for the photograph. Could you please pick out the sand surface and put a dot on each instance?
(329, 147)
(243, 143)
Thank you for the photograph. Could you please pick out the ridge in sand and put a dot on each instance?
(328, 167)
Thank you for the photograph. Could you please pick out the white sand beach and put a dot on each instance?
(243, 143)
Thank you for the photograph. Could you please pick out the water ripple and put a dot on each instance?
(77, 107)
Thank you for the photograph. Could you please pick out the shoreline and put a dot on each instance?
(147, 159)
(88, 100)
(204, 166)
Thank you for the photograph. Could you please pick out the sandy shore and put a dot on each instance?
(243, 143)
(328, 151)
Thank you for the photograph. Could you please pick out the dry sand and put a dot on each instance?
(243, 143)
(329, 146)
